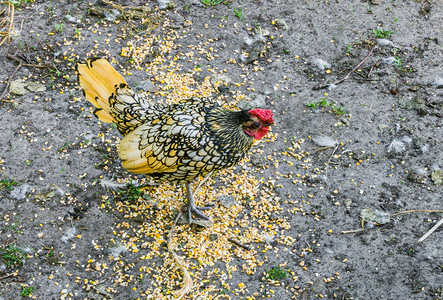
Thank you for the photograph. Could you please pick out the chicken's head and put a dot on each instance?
(258, 126)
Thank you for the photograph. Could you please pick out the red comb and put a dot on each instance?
(264, 114)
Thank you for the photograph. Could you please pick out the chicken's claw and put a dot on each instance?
(194, 209)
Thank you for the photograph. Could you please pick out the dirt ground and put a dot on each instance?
(331, 204)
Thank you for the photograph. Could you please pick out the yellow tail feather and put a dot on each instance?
(99, 81)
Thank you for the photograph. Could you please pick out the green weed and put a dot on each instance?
(322, 103)
(132, 194)
(223, 291)
(65, 146)
(398, 63)
(19, 2)
(27, 291)
(12, 255)
(15, 227)
(337, 110)
(349, 48)
(276, 273)
(381, 33)
(85, 143)
(8, 184)
(238, 12)
(211, 2)
(60, 27)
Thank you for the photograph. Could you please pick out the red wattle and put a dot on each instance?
(259, 134)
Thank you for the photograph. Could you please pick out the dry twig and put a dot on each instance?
(9, 275)
(187, 280)
(406, 212)
(203, 181)
(329, 160)
(415, 210)
(237, 243)
(20, 64)
(322, 86)
(434, 228)
(8, 24)
(353, 231)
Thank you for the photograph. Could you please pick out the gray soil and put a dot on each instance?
(317, 201)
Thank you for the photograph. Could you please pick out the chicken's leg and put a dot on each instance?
(192, 208)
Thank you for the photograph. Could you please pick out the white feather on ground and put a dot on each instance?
(324, 141)
(397, 146)
(109, 184)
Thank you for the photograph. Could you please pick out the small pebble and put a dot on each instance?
(111, 15)
(321, 64)
(17, 87)
(72, 19)
(438, 82)
(407, 140)
(384, 42)
(69, 234)
(282, 23)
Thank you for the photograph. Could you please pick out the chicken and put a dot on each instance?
(174, 143)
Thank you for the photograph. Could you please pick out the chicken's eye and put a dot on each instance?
(254, 125)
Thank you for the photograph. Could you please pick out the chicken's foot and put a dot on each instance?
(194, 209)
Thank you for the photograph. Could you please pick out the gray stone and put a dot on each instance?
(384, 42)
(282, 23)
(224, 79)
(227, 201)
(437, 176)
(35, 86)
(166, 4)
(374, 216)
(256, 101)
(321, 64)
(382, 127)
(418, 175)
(111, 14)
(367, 238)
(438, 82)
(69, 234)
(407, 140)
(72, 19)
(17, 87)
(388, 60)
(19, 193)
(117, 250)
(203, 223)
(146, 86)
